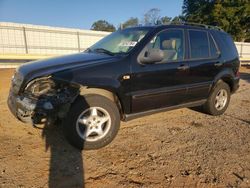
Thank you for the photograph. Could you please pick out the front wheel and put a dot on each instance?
(218, 100)
(92, 122)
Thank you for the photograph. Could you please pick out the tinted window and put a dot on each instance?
(171, 43)
(213, 49)
(228, 45)
(199, 45)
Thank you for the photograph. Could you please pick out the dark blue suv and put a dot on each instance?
(128, 74)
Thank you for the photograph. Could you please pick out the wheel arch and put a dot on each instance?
(227, 77)
(84, 90)
(228, 80)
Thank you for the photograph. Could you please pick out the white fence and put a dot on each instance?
(44, 40)
(243, 50)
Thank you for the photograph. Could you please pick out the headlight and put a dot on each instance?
(41, 86)
(17, 80)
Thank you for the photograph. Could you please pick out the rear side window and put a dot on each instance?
(213, 49)
(199, 44)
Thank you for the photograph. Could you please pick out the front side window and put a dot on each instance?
(121, 41)
(171, 42)
(199, 45)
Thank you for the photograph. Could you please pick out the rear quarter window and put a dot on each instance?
(226, 45)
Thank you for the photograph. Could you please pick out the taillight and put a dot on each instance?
(238, 73)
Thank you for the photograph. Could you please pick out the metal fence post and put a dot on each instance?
(25, 41)
(241, 46)
(78, 41)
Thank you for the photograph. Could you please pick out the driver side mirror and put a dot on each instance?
(149, 56)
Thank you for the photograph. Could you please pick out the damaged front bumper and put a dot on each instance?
(26, 109)
(35, 111)
(41, 100)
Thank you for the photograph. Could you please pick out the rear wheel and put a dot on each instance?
(92, 122)
(219, 99)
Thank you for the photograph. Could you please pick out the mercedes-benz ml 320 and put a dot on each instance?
(130, 73)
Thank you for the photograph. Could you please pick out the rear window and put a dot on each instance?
(199, 44)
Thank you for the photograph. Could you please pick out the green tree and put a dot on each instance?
(177, 19)
(130, 22)
(231, 16)
(165, 19)
(103, 25)
(197, 10)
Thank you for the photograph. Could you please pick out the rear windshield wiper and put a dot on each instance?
(102, 50)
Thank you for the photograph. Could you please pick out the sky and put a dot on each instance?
(82, 13)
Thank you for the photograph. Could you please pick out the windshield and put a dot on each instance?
(121, 41)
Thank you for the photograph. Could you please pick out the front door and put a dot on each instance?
(161, 84)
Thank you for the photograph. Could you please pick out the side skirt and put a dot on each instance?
(128, 117)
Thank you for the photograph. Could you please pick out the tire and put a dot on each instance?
(215, 105)
(92, 122)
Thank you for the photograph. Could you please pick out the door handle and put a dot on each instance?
(183, 67)
(218, 64)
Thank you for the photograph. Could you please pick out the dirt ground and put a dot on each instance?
(180, 148)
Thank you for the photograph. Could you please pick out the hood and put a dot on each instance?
(48, 66)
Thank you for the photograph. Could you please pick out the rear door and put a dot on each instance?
(204, 63)
(161, 84)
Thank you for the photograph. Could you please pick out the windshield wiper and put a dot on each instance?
(102, 50)
(88, 50)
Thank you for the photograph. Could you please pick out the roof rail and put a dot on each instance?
(196, 24)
